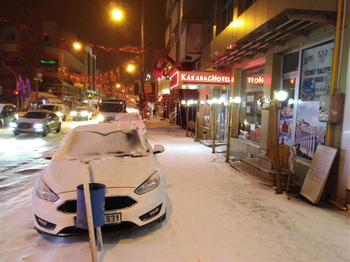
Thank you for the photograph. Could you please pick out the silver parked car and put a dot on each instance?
(37, 122)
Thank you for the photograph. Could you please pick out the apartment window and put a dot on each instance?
(210, 28)
(248, 3)
(227, 13)
(10, 36)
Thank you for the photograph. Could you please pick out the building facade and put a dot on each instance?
(266, 46)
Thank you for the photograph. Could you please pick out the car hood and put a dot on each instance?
(65, 176)
(30, 120)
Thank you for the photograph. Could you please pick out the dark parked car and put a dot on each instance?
(8, 113)
(37, 122)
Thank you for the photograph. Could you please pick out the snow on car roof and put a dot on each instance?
(105, 128)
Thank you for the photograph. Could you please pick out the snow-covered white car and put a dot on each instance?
(121, 158)
(133, 118)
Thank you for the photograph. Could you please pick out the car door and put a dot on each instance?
(12, 113)
(53, 121)
(6, 117)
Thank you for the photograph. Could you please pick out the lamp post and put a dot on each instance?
(17, 83)
(198, 104)
(232, 103)
(275, 105)
(117, 15)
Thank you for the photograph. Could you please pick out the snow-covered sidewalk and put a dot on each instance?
(215, 213)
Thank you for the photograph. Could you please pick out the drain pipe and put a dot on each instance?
(334, 65)
(341, 47)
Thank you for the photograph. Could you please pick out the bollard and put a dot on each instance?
(97, 196)
(204, 134)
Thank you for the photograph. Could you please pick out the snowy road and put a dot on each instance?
(215, 213)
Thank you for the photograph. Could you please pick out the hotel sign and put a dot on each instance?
(181, 78)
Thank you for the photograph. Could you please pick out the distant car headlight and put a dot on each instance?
(59, 114)
(84, 113)
(13, 124)
(151, 183)
(16, 116)
(73, 113)
(100, 118)
(37, 126)
(44, 192)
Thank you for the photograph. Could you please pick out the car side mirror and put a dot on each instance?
(158, 149)
(48, 154)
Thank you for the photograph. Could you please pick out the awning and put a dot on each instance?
(274, 32)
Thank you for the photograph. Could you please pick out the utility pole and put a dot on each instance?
(141, 90)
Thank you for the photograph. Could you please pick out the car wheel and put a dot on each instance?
(46, 131)
(64, 118)
(58, 128)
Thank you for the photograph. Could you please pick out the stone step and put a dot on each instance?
(265, 161)
(263, 171)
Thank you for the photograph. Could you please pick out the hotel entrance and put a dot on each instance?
(210, 106)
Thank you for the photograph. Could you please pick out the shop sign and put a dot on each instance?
(200, 78)
(255, 80)
(148, 88)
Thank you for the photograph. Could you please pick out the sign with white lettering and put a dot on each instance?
(196, 78)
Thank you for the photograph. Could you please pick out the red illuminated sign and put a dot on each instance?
(255, 80)
(174, 80)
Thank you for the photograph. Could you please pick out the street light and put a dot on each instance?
(275, 105)
(117, 15)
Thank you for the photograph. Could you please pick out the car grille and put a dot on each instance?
(24, 125)
(111, 203)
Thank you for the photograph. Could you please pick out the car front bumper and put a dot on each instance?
(60, 223)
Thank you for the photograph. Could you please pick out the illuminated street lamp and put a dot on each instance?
(130, 68)
(77, 45)
(117, 14)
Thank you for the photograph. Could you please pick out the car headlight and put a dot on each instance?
(100, 118)
(16, 116)
(13, 124)
(44, 192)
(37, 126)
(84, 113)
(151, 183)
(73, 113)
(59, 114)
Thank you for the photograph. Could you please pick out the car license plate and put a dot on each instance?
(113, 218)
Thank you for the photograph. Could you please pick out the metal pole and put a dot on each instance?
(214, 119)
(141, 91)
(228, 132)
(197, 119)
(279, 189)
(16, 81)
(187, 116)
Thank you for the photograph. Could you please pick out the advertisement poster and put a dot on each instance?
(316, 71)
(309, 131)
(286, 124)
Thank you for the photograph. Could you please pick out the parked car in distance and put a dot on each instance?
(37, 122)
(8, 113)
(59, 109)
(131, 118)
(81, 112)
(121, 158)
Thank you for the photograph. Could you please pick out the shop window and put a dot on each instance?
(305, 81)
(227, 13)
(250, 110)
(210, 28)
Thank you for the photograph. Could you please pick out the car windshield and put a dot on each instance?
(80, 109)
(48, 107)
(36, 115)
(95, 144)
(111, 107)
(129, 118)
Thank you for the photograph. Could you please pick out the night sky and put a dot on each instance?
(91, 20)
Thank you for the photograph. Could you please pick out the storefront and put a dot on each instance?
(206, 86)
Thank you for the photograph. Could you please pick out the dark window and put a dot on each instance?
(290, 62)
(210, 28)
(248, 3)
(227, 13)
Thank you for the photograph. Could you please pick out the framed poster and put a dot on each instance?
(317, 175)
